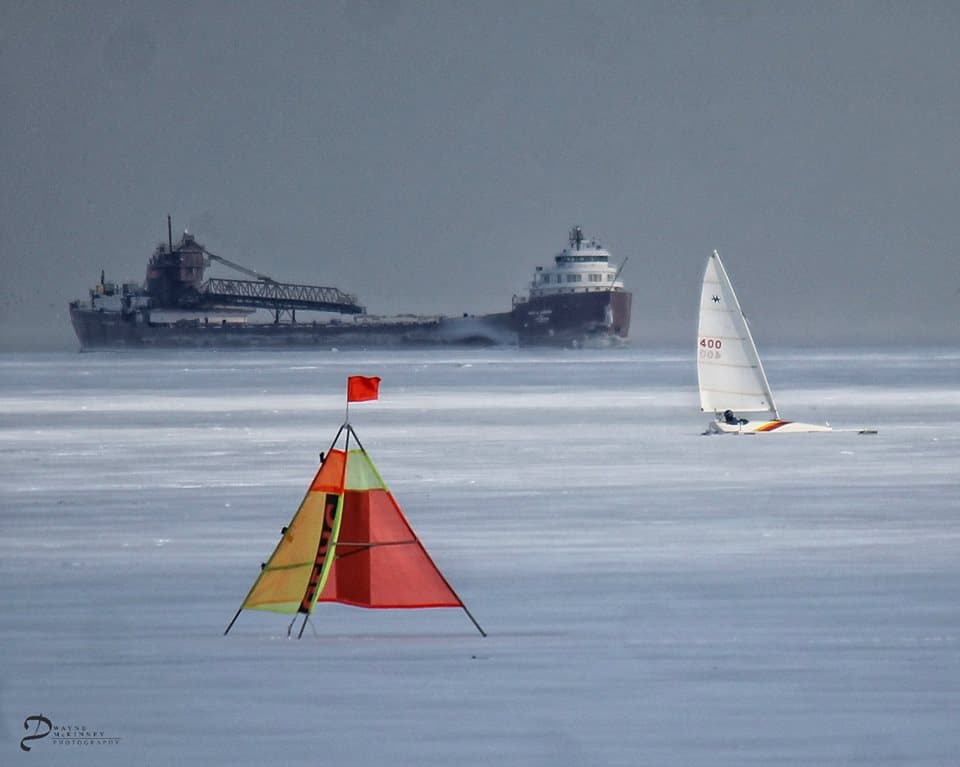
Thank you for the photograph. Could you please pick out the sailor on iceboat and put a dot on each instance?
(730, 418)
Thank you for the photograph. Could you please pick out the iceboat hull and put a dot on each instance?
(776, 426)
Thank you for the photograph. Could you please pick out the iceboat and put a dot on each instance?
(729, 371)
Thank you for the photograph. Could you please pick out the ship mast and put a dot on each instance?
(576, 237)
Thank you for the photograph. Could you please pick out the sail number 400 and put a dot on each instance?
(710, 348)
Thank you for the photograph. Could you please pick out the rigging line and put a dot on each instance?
(362, 547)
(294, 566)
(373, 544)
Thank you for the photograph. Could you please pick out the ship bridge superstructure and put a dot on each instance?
(583, 267)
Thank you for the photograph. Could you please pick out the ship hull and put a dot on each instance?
(600, 318)
(116, 330)
(574, 320)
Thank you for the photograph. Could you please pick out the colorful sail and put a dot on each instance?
(349, 542)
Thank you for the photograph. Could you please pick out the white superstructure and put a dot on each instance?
(584, 267)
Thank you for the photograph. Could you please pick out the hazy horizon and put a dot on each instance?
(429, 156)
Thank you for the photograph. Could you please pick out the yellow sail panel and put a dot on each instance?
(273, 590)
(286, 578)
(299, 544)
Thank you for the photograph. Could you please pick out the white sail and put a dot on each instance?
(728, 366)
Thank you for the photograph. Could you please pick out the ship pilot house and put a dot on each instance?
(581, 268)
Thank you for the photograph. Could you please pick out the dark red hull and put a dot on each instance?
(571, 320)
(574, 319)
(115, 330)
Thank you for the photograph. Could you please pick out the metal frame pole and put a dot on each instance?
(233, 621)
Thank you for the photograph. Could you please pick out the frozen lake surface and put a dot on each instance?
(652, 596)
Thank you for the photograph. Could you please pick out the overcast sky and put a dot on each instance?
(427, 156)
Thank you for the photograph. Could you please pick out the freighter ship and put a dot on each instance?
(580, 301)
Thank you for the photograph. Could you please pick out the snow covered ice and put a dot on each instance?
(652, 596)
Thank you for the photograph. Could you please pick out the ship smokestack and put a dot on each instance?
(170, 233)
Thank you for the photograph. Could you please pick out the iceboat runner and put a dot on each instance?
(729, 371)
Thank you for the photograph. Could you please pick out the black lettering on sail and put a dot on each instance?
(323, 546)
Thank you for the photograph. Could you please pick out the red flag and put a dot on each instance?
(362, 389)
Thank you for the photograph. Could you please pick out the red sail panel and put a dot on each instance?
(380, 561)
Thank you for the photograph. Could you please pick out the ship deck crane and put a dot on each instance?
(238, 267)
(279, 297)
(263, 293)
